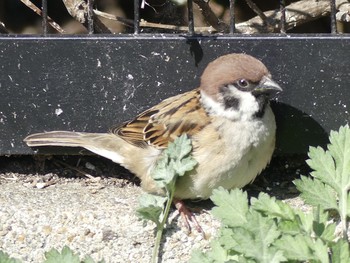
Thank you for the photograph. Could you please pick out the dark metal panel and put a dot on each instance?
(90, 84)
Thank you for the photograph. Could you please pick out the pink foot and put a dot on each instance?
(187, 216)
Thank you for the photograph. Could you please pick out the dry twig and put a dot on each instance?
(74, 169)
(297, 14)
(78, 9)
(210, 17)
(258, 11)
(144, 23)
(124, 21)
(3, 29)
(37, 10)
(343, 15)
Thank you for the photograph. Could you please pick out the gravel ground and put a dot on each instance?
(46, 205)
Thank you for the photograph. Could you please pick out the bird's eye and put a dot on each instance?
(243, 83)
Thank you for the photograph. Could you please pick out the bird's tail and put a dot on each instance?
(104, 144)
(56, 138)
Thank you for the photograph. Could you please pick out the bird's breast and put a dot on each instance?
(229, 154)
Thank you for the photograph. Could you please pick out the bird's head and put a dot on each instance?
(237, 86)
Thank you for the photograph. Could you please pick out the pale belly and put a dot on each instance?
(231, 163)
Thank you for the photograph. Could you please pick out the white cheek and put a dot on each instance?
(248, 105)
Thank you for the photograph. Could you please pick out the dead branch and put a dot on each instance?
(3, 29)
(124, 21)
(210, 17)
(144, 23)
(78, 9)
(297, 14)
(258, 11)
(343, 15)
(37, 10)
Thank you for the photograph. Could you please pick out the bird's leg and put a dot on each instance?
(187, 216)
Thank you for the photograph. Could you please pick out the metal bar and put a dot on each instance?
(232, 17)
(136, 16)
(333, 18)
(283, 16)
(44, 15)
(90, 17)
(190, 17)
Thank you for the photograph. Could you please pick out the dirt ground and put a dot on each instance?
(89, 203)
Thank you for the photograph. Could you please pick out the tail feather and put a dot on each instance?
(104, 144)
(55, 138)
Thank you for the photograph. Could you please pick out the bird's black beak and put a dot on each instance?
(267, 86)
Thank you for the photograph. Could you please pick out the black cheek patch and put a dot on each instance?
(231, 102)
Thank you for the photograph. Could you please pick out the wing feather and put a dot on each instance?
(164, 122)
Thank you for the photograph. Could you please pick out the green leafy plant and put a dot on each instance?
(66, 255)
(269, 230)
(175, 161)
(5, 258)
(330, 183)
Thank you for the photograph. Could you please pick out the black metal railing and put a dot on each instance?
(191, 28)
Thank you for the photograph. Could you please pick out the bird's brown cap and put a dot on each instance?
(230, 68)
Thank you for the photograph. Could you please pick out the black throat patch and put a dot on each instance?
(262, 102)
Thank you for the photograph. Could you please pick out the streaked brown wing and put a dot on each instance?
(164, 122)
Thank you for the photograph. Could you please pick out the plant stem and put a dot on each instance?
(343, 204)
(160, 227)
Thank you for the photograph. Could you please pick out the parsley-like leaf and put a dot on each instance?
(331, 176)
(174, 161)
(231, 207)
(5, 258)
(66, 255)
(151, 208)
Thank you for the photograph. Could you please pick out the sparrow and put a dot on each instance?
(228, 119)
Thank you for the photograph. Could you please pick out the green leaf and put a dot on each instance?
(315, 193)
(264, 229)
(216, 255)
(289, 227)
(255, 246)
(254, 240)
(322, 228)
(175, 161)
(320, 250)
(340, 252)
(225, 238)
(5, 258)
(151, 207)
(272, 207)
(185, 165)
(332, 168)
(305, 222)
(199, 257)
(66, 255)
(328, 234)
(339, 148)
(302, 248)
(231, 207)
(88, 259)
(163, 173)
(324, 167)
(180, 148)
